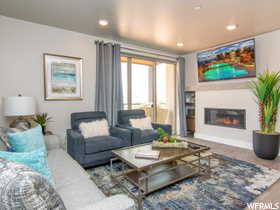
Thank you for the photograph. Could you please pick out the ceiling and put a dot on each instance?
(157, 24)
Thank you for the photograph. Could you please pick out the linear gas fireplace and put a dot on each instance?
(233, 118)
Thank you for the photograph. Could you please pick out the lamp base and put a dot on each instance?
(20, 122)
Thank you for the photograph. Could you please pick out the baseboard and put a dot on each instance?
(231, 142)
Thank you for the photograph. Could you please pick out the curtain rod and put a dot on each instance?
(151, 53)
(138, 50)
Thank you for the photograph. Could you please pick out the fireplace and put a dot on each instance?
(233, 118)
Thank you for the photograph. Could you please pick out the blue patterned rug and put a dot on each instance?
(231, 185)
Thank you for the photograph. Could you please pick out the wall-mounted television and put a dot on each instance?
(234, 61)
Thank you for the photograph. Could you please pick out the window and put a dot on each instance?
(149, 85)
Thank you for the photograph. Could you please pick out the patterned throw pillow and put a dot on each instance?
(4, 143)
(28, 140)
(24, 189)
(37, 160)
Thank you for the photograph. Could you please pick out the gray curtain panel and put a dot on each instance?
(180, 78)
(108, 95)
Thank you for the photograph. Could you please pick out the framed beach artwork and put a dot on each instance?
(63, 77)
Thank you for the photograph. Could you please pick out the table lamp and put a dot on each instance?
(19, 106)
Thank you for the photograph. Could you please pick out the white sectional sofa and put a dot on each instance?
(73, 183)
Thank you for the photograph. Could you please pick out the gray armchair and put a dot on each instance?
(140, 136)
(95, 150)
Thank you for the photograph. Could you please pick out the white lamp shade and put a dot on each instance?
(19, 106)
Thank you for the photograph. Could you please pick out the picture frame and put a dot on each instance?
(62, 77)
(227, 62)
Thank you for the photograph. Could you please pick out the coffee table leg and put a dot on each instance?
(111, 167)
(146, 182)
(141, 195)
(140, 199)
(199, 164)
(209, 164)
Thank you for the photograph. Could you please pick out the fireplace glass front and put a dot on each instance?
(233, 118)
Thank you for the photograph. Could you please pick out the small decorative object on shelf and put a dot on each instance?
(166, 141)
(190, 111)
(42, 120)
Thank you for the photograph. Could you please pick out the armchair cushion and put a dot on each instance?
(149, 135)
(102, 143)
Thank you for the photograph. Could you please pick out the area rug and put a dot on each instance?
(231, 185)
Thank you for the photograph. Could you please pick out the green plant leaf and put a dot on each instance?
(267, 92)
(41, 119)
(161, 132)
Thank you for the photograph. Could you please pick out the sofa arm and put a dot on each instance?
(166, 127)
(121, 133)
(135, 134)
(116, 202)
(76, 145)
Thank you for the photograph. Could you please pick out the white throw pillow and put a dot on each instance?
(141, 123)
(95, 128)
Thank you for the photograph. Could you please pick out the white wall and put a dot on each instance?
(22, 45)
(232, 94)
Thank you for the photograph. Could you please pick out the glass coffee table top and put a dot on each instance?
(127, 154)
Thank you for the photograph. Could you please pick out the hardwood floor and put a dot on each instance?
(270, 195)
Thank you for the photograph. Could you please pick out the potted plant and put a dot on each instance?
(267, 91)
(42, 120)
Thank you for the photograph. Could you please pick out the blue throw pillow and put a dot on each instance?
(28, 140)
(37, 160)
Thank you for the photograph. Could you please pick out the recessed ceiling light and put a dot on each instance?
(231, 27)
(180, 44)
(103, 22)
(197, 8)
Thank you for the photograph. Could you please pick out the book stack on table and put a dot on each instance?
(148, 155)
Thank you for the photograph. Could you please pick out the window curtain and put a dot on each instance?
(181, 109)
(108, 95)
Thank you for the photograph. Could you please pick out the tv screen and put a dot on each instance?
(232, 61)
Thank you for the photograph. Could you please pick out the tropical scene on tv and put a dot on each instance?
(229, 62)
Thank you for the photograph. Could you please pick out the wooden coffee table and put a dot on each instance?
(151, 175)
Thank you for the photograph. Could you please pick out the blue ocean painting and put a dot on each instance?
(63, 78)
